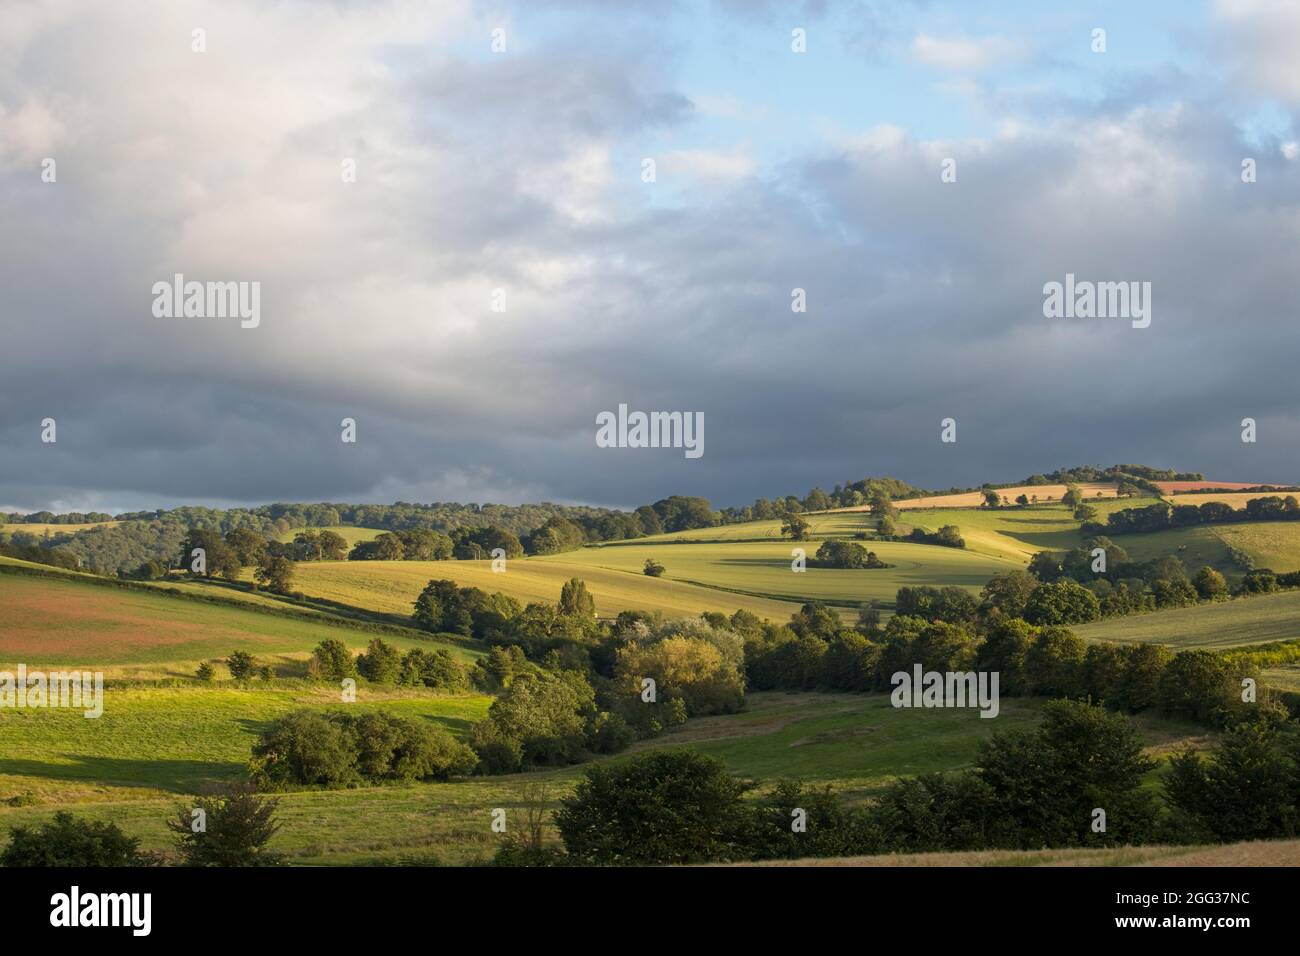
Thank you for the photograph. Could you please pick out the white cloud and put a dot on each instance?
(963, 54)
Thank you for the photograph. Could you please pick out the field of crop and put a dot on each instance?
(1182, 487)
(132, 633)
(765, 568)
(1235, 623)
(393, 586)
(350, 533)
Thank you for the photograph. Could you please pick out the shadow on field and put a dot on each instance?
(182, 776)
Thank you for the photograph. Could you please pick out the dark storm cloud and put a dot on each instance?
(924, 298)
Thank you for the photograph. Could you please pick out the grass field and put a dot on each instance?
(765, 567)
(348, 532)
(154, 740)
(393, 586)
(132, 633)
(162, 742)
(1236, 623)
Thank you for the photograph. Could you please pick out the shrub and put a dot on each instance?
(436, 668)
(1248, 789)
(69, 841)
(1062, 602)
(674, 806)
(241, 664)
(653, 568)
(206, 672)
(331, 660)
(235, 831)
(381, 663)
(1210, 584)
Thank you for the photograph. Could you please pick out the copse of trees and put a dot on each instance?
(946, 629)
(1123, 586)
(1162, 515)
(845, 554)
(330, 749)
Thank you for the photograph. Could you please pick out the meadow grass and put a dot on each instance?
(155, 739)
(1236, 623)
(393, 586)
(761, 567)
(167, 741)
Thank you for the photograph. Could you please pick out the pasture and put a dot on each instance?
(174, 739)
(156, 740)
(392, 586)
(765, 568)
(1235, 623)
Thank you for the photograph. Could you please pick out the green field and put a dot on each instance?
(764, 567)
(163, 742)
(1249, 620)
(393, 586)
(151, 740)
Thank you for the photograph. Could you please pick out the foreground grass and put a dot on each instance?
(164, 743)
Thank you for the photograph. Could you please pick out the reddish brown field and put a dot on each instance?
(48, 620)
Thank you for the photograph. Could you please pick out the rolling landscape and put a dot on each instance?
(594, 454)
(178, 723)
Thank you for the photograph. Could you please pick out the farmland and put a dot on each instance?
(393, 586)
(134, 633)
(765, 568)
(1235, 623)
(166, 741)
(164, 735)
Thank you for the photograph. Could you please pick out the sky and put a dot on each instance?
(500, 271)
